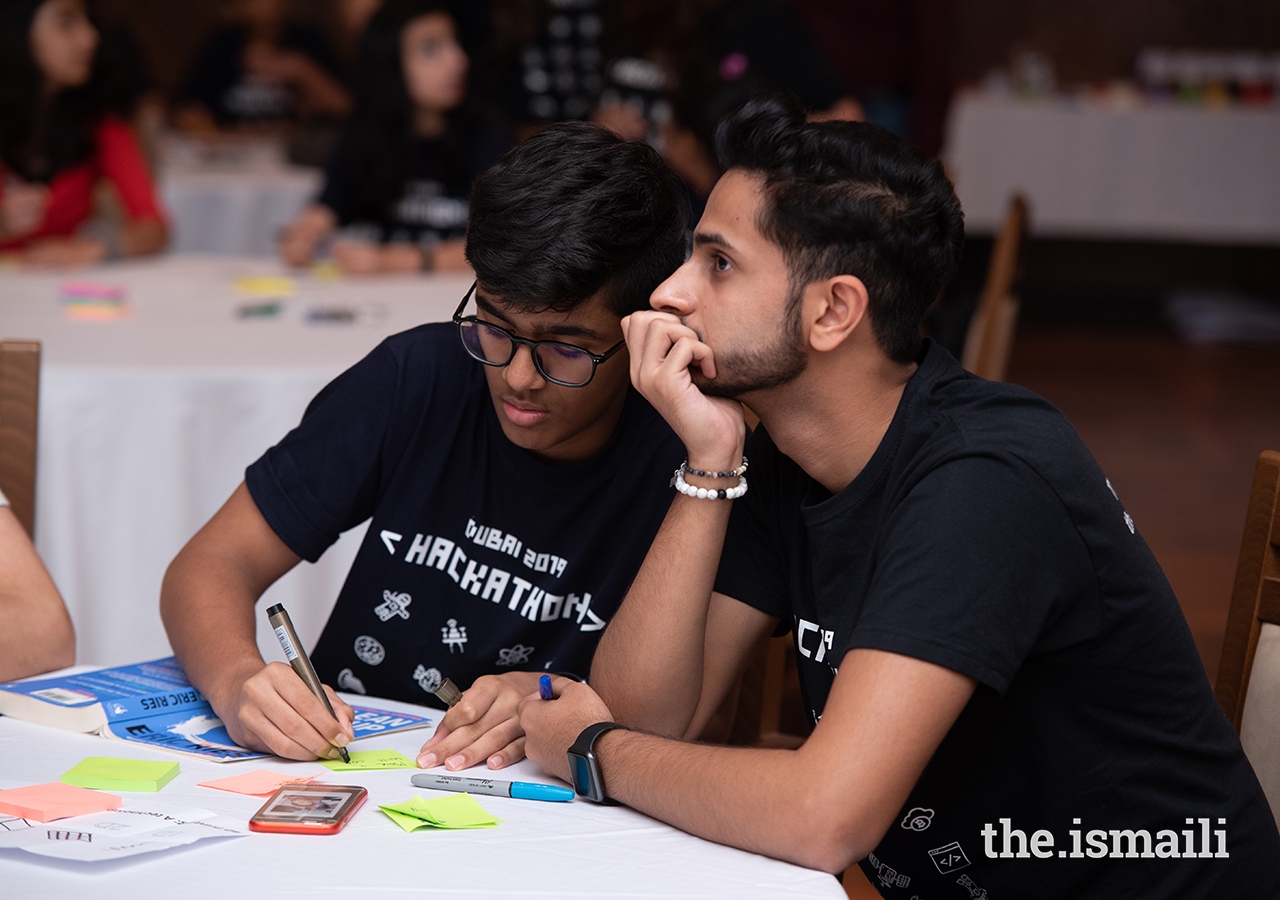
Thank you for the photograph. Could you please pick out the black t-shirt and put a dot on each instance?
(479, 559)
(219, 81)
(983, 537)
(433, 203)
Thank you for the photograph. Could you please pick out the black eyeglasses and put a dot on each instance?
(558, 362)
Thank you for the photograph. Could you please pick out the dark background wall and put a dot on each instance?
(1088, 40)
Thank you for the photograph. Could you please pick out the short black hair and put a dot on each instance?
(850, 198)
(573, 210)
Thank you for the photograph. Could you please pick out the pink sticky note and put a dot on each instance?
(46, 802)
(259, 782)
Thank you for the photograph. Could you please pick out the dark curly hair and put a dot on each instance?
(850, 198)
(39, 143)
(571, 211)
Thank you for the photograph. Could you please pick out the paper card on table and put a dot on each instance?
(143, 828)
(55, 800)
(111, 773)
(265, 286)
(258, 783)
(370, 759)
(456, 811)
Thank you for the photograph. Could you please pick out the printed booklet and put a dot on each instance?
(153, 703)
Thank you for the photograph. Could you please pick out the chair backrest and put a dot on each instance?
(990, 337)
(1249, 674)
(19, 405)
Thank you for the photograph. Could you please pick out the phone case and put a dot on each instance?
(311, 809)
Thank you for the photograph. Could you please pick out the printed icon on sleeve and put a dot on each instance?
(348, 681)
(514, 656)
(369, 650)
(393, 604)
(949, 858)
(918, 819)
(428, 679)
(454, 635)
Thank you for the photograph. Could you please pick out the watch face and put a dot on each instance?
(581, 770)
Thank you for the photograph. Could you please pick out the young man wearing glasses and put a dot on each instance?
(505, 462)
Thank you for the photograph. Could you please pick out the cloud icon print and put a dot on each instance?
(918, 819)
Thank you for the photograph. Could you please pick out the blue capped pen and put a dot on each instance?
(521, 790)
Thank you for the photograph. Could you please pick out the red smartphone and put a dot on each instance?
(309, 809)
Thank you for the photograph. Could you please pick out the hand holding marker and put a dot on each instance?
(283, 627)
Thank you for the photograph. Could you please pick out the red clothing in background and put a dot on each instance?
(118, 159)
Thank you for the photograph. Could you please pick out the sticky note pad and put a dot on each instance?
(456, 811)
(265, 286)
(109, 773)
(55, 800)
(258, 783)
(370, 759)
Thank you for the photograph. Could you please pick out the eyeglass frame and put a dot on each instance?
(596, 358)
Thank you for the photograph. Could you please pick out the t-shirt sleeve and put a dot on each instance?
(326, 475)
(753, 567)
(124, 165)
(979, 566)
(336, 193)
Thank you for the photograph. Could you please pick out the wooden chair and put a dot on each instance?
(19, 404)
(990, 336)
(1249, 674)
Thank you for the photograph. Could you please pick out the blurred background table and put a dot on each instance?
(147, 424)
(1096, 171)
(231, 196)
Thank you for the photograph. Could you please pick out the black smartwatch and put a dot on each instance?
(584, 766)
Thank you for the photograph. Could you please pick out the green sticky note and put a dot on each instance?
(108, 773)
(456, 811)
(370, 759)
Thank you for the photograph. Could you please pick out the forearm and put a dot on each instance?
(36, 635)
(143, 237)
(207, 606)
(773, 802)
(649, 665)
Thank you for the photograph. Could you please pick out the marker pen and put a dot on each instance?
(297, 657)
(544, 688)
(520, 790)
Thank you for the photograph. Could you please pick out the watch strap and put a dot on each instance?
(584, 747)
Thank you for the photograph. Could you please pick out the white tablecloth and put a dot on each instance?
(547, 850)
(147, 424)
(1151, 172)
(232, 199)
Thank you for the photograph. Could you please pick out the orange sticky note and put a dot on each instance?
(46, 802)
(259, 782)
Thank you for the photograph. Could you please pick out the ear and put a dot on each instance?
(837, 306)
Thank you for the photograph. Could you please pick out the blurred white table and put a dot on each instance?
(147, 425)
(548, 850)
(231, 198)
(1172, 173)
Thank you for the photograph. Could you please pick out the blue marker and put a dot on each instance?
(544, 688)
(521, 790)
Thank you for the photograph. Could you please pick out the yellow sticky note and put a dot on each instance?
(109, 773)
(258, 783)
(265, 286)
(370, 759)
(453, 811)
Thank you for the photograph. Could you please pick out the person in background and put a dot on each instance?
(36, 634)
(261, 69)
(395, 194)
(62, 132)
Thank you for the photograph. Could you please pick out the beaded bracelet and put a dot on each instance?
(736, 473)
(689, 490)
